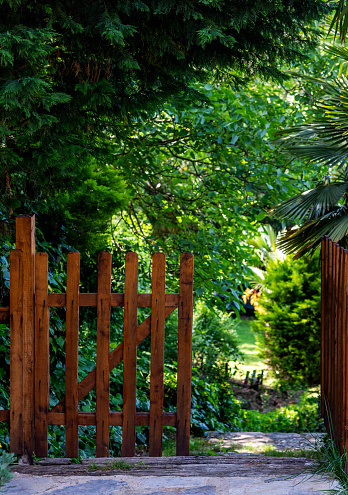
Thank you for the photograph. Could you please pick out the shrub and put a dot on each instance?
(5, 474)
(295, 418)
(288, 320)
(214, 340)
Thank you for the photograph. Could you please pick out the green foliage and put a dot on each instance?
(75, 77)
(201, 176)
(319, 140)
(5, 474)
(214, 340)
(295, 418)
(288, 320)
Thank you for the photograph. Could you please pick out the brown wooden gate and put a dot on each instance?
(30, 301)
(334, 340)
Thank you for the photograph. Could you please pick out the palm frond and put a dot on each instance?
(306, 239)
(340, 20)
(315, 203)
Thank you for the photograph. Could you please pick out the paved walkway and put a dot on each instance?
(256, 441)
(122, 484)
(237, 474)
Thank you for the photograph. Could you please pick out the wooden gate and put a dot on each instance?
(334, 340)
(30, 301)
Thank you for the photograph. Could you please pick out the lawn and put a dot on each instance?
(248, 347)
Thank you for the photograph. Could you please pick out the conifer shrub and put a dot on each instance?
(288, 320)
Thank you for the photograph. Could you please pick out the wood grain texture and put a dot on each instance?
(103, 351)
(72, 355)
(130, 354)
(157, 354)
(185, 314)
(115, 418)
(16, 352)
(115, 357)
(42, 377)
(25, 240)
(345, 347)
(340, 421)
(323, 257)
(330, 329)
(90, 300)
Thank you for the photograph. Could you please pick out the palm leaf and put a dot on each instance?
(306, 239)
(340, 20)
(315, 203)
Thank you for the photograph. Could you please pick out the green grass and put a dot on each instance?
(248, 347)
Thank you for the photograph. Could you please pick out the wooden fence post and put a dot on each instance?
(25, 241)
(183, 410)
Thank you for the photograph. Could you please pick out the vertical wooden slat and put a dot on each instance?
(130, 354)
(25, 240)
(157, 354)
(184, 372)
(342, 349)
(334, 342)
(345, 345)
(330, 282)
(16, 351)
(72, 355)
(323, 346)
(41, 355)
(338, 405)
(103, 350)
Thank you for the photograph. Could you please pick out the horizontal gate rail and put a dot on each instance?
(28, 314)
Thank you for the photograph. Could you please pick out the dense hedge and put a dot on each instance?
(288, 320)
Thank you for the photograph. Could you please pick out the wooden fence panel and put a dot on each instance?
(157, 354)
(184, 373)
(130, 354)
(72, 355)
(334, 340)
(28, 313)
(42, 370)
(103, 351)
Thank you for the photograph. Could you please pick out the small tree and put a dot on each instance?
(288, 320)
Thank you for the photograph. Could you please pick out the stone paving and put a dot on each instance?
(122, 484)
(237, 474)
(255, 441)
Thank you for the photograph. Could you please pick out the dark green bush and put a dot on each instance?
(295, 418)
(214, 340)
(288, 320)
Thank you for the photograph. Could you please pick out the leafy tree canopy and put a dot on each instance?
(70, 72)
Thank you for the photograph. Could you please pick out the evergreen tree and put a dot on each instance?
(70, 72)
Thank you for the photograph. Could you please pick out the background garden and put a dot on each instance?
(159, 126)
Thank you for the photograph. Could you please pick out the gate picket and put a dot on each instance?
(72, 355)
(157, 354)
(103, 351)
(183, 411)
(42, 378)
(130, 354)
